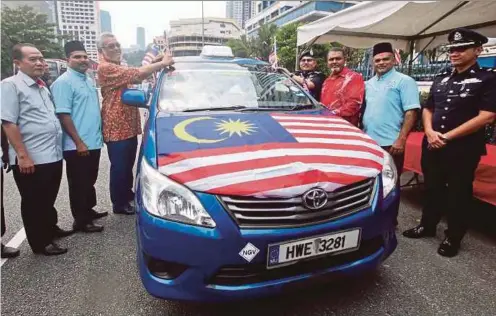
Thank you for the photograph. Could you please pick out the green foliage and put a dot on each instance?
(24, 25)
(135, 58)
(242, 47)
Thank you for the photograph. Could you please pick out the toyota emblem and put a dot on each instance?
(315, 199)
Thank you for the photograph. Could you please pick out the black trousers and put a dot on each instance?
(82, 173)
(38, 195)
(448, 183)
(399, 160)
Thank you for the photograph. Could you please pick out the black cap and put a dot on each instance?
(307, 53)
(382, 48)
(73, 46)
(464, 37)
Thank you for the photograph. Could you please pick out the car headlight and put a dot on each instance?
(165, 198)
(389, 175)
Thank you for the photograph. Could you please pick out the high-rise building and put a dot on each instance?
(186, 37)
(80, 20)
(282, 13)
(239, 11)
(140, 37)
(105, 21)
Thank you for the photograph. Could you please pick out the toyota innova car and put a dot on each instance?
(247, 187)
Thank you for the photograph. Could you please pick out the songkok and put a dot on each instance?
(73, 46)
(382, 48)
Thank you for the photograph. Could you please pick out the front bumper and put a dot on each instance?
(211, 269)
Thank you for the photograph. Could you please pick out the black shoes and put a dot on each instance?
(59, 232)
(96, 215)
(128, 210)
(419, 232)
(9, 252)
(51, 249)
(88, 228)
(448, 248)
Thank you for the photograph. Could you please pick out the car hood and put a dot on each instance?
(264, 154)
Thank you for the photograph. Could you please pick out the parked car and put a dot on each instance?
(247, 186)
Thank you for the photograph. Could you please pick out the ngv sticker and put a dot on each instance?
(249, 252)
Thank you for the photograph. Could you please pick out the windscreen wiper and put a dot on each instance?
(225, 108)
(299, 107)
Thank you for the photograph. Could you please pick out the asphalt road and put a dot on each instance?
(98, 276)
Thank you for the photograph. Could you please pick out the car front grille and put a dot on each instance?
(251, 212)
(236, 275)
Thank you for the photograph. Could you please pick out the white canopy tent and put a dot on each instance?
(424, 24)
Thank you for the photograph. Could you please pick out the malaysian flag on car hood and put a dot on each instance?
(264, 155)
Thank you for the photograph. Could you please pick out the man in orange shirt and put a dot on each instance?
(121, 124)
(343, 90)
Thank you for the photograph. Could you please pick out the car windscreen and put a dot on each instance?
(204, 86)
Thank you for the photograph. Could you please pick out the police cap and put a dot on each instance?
(307, 53)
(462, 37)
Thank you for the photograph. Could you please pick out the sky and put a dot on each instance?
(154, 16)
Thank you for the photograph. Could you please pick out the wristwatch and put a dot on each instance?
(444, 139)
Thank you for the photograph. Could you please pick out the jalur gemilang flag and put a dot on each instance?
(152, 51)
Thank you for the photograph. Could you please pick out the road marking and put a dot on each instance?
(15, 242)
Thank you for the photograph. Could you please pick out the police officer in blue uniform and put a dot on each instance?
(459, 106)
(308, 77)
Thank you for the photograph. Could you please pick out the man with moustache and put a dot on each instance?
(392, 101)
(78, 109)
(121, 123)
(459, 105)
(35, 152)
(308, 77)
(343, 90)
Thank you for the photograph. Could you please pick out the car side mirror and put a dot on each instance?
(135, 97)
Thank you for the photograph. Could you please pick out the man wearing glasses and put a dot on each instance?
(310, 79)
(121, 124)
(459, 105)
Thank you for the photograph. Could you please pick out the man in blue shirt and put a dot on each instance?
(392, 102)
(78, 109)
(35, 148)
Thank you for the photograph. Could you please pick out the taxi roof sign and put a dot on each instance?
(217, 51)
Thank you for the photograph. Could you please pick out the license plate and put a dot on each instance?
(291, 251)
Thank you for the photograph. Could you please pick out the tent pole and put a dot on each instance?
(296, 58)
(410, 63)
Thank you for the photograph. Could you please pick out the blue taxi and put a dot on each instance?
(247, 187)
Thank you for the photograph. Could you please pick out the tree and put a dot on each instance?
(264, 41)
(24, 25)
(286, 49)
(242, 47)
(135, 58)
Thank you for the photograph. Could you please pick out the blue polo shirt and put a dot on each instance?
(74, 93)
(387, 100)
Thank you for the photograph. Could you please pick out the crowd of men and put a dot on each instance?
(45, 127)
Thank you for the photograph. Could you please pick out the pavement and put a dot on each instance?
(98, 276)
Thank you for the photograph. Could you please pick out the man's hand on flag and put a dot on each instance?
(158, 58)
(167, 59)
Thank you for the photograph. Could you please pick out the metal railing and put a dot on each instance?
(419, 72)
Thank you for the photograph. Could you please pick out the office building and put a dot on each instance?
(185, 36)
(80, 20)
(105, 21)
(140, 37)
(282, 13)
(239, 11)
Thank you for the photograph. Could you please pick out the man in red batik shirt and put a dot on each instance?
(343, 90)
